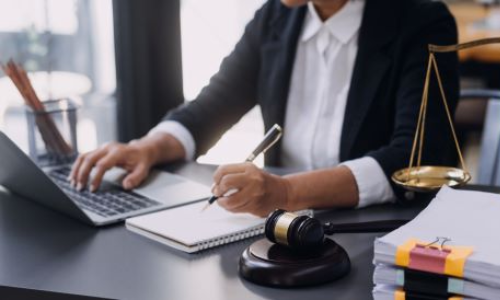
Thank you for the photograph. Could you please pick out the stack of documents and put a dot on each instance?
(389, 293)
(466, 218)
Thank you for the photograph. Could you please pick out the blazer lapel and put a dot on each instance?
(278, 55)
(370, 68)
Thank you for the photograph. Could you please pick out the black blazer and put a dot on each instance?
(386, 86)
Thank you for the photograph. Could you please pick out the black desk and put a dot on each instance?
(41, 249)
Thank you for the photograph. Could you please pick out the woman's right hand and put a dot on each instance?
(136, 157)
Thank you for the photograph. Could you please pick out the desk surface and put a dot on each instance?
(42, 249)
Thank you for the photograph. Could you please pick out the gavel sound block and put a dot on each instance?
(296, 251)
(269, 264)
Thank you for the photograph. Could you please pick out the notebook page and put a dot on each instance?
(190, 226)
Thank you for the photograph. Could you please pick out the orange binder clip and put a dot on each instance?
(433, 257)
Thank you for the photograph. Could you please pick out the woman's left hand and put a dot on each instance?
(249, 189)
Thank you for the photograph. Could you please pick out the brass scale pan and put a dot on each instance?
(430, 178)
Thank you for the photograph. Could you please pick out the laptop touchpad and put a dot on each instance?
(172, 189)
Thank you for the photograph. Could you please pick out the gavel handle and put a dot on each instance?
(363, 227)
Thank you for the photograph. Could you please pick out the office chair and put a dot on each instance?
(489, 159)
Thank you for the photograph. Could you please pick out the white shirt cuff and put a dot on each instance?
(180, 133)
(373, 185)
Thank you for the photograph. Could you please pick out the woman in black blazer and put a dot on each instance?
(379, 122)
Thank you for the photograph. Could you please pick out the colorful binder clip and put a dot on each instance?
(434, 257)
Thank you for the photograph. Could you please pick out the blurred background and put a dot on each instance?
(127, 62)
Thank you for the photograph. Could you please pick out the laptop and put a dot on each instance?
(110, 204)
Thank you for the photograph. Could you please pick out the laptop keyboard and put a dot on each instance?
(104, 203)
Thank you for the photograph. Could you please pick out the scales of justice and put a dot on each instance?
(429, 178)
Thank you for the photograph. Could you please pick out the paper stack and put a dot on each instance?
(456, 251)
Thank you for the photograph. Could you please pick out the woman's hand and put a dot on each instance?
(258, 192)
(136, 158)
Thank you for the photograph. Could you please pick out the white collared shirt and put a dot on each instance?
(319, 85)
(317, 100)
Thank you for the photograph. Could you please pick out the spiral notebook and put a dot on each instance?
(188, 229)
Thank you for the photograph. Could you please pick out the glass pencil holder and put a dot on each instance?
(52, 136)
